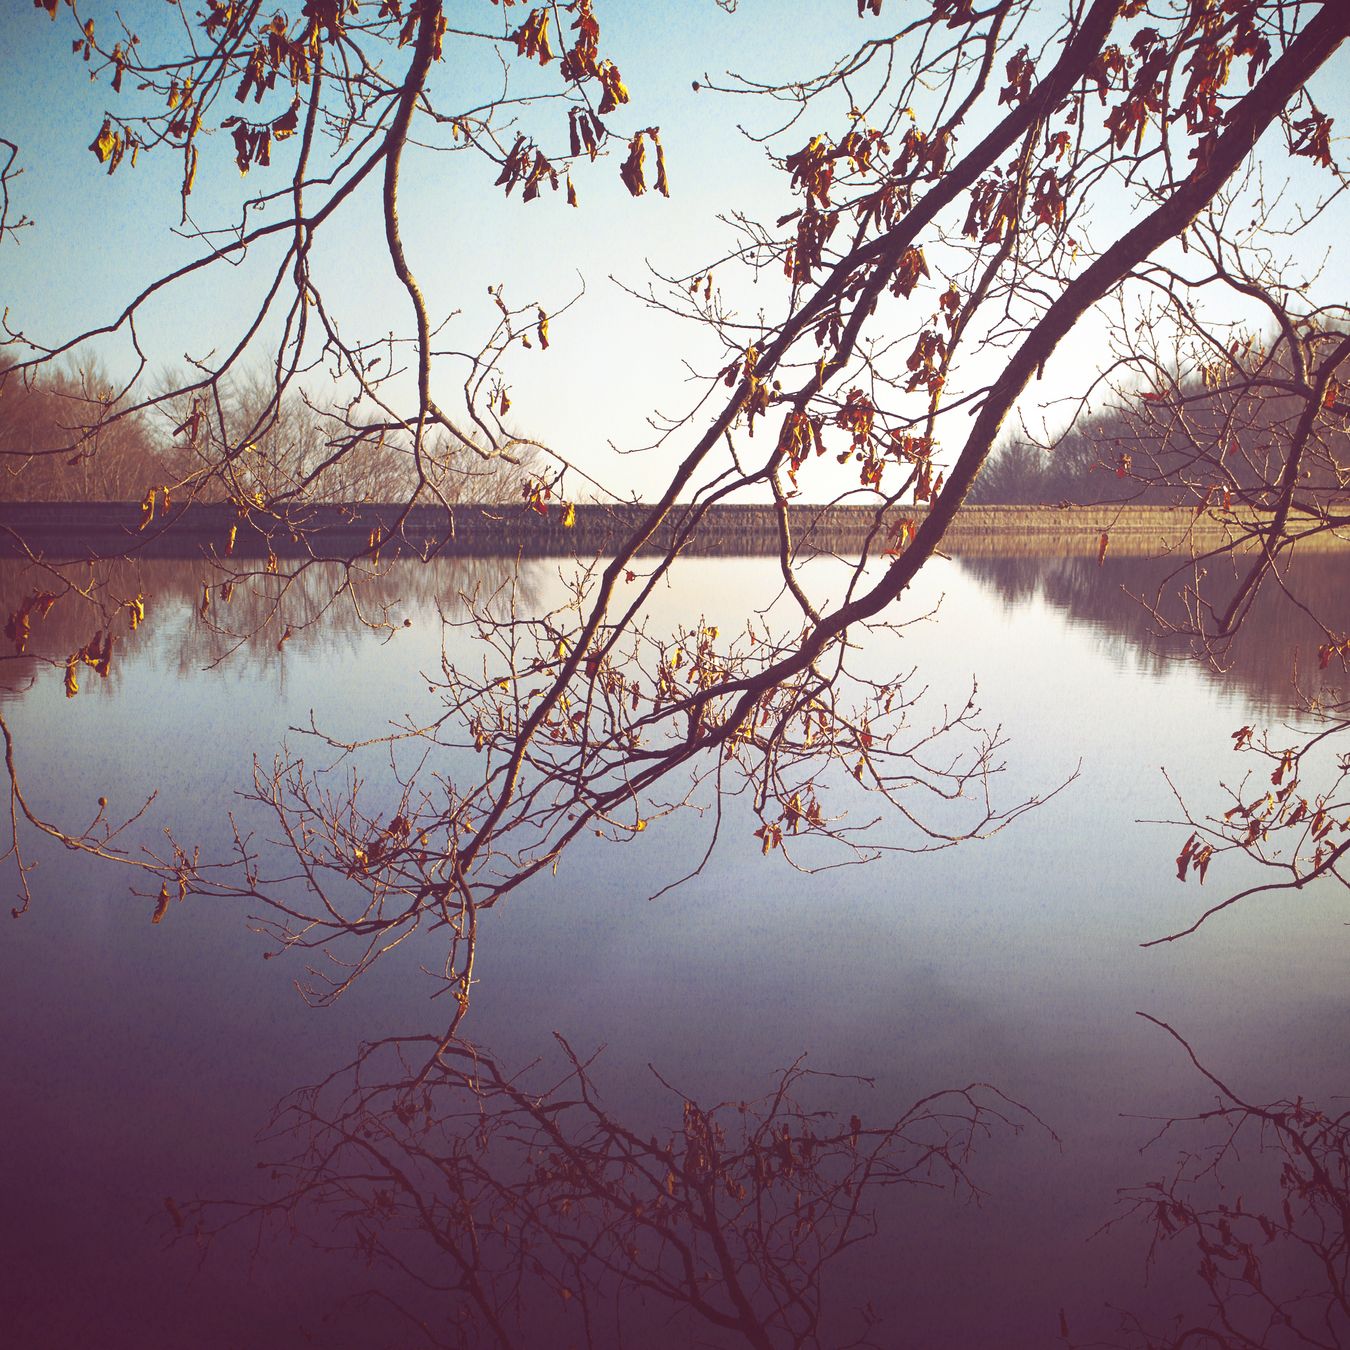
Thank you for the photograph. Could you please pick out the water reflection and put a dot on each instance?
(143, 1058)
(1125, 597)
(253, 616)
(515, 1209)
(213, 612)
(1255, 1198)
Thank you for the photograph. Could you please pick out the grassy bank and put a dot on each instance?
(113, 529)
(1134, 531)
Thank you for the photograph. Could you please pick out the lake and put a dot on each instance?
(143, 1061)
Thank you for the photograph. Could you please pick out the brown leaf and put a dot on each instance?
(911, 267)
(614, 91)
(631, 171)
(286, 124)
(105, 143)
(1184, 857)
(662, 183)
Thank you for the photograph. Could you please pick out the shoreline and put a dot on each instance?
(97, 530)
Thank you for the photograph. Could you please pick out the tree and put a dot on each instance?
(971, 189)
(954, 187)
(294, 451)
(64, 440)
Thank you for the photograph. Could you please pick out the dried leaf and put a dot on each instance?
(631, 171)
(105, 143)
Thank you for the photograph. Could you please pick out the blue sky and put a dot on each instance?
(612, 363)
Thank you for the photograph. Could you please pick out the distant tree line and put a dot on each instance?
(68, 436)
(1184, 441)
(60, 440)
(1023, 473)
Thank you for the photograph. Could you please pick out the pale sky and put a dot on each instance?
(612, 363)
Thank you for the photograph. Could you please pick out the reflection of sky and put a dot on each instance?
(157, 1050)
(613, 362)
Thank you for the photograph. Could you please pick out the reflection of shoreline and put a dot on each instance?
(249, 614)
(256, 616)
(1275, 645)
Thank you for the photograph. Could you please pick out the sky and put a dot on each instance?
(613, 364)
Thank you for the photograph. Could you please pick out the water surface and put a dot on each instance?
(142, 1060)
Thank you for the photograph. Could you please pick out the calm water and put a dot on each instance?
(140, 1062)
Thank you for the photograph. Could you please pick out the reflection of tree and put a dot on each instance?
(514, 1203)
(1259, 1198)
(219, 611)
(1286, 813)
(1275, 641)
(252, 612)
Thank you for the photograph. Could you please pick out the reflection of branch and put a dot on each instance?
(1274, 1261)
(506, 1198)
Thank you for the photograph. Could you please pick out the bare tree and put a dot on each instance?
(955, 187)
(63, 438)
